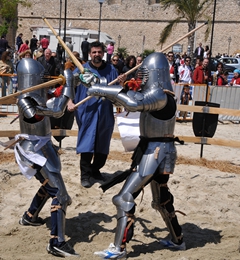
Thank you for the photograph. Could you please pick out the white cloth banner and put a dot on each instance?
(128, 127)
(25, 168)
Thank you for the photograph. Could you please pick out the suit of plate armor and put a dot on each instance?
(35, 152)
(157, 122)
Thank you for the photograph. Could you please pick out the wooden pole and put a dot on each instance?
(13, 75)
(116, 135)
(209, 110)
(7, 75)
(73, 58)
(136, 67)
(4, 100)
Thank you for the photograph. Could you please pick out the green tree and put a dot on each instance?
(8, 14)
(146, 52)
(123, 50)
(189, 10)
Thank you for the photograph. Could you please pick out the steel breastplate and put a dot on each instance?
(41, 128)
(153, 127)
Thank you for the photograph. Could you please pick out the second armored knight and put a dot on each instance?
(155, 156)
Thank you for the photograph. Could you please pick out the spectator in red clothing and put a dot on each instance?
(24, 47)
(222, 79)
(200, 74)
(44, 43)
(217, 73)
(236, 78)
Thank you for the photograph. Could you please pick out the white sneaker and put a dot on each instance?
(170, 244)
(112, 253)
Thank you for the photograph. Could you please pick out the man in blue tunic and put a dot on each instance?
(95, 119)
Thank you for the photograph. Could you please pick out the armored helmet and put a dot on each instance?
(154, 72)
(30, 73)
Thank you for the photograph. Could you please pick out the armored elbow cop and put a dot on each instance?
(26, 107)
(68, 89)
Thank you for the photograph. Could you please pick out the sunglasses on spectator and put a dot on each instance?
(170, 55)
(114, 60)
(187, 60)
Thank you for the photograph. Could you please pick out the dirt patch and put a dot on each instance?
(6, 157)
(224, 166)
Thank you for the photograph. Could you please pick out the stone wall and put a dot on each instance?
(133, 19)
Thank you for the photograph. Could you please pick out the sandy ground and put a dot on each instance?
(209, 197)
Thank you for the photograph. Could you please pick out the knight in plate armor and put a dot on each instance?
(37, 156)
(155, 156)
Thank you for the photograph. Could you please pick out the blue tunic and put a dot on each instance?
(95, 117)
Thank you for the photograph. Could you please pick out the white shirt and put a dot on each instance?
(199, 51)
(185, 73)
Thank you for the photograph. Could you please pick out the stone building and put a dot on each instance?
(129, 22)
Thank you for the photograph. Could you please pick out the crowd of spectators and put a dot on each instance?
(10, 57)
(182, 68)
(198, 70)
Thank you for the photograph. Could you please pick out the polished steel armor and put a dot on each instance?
(157, 120)
(35, 127)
